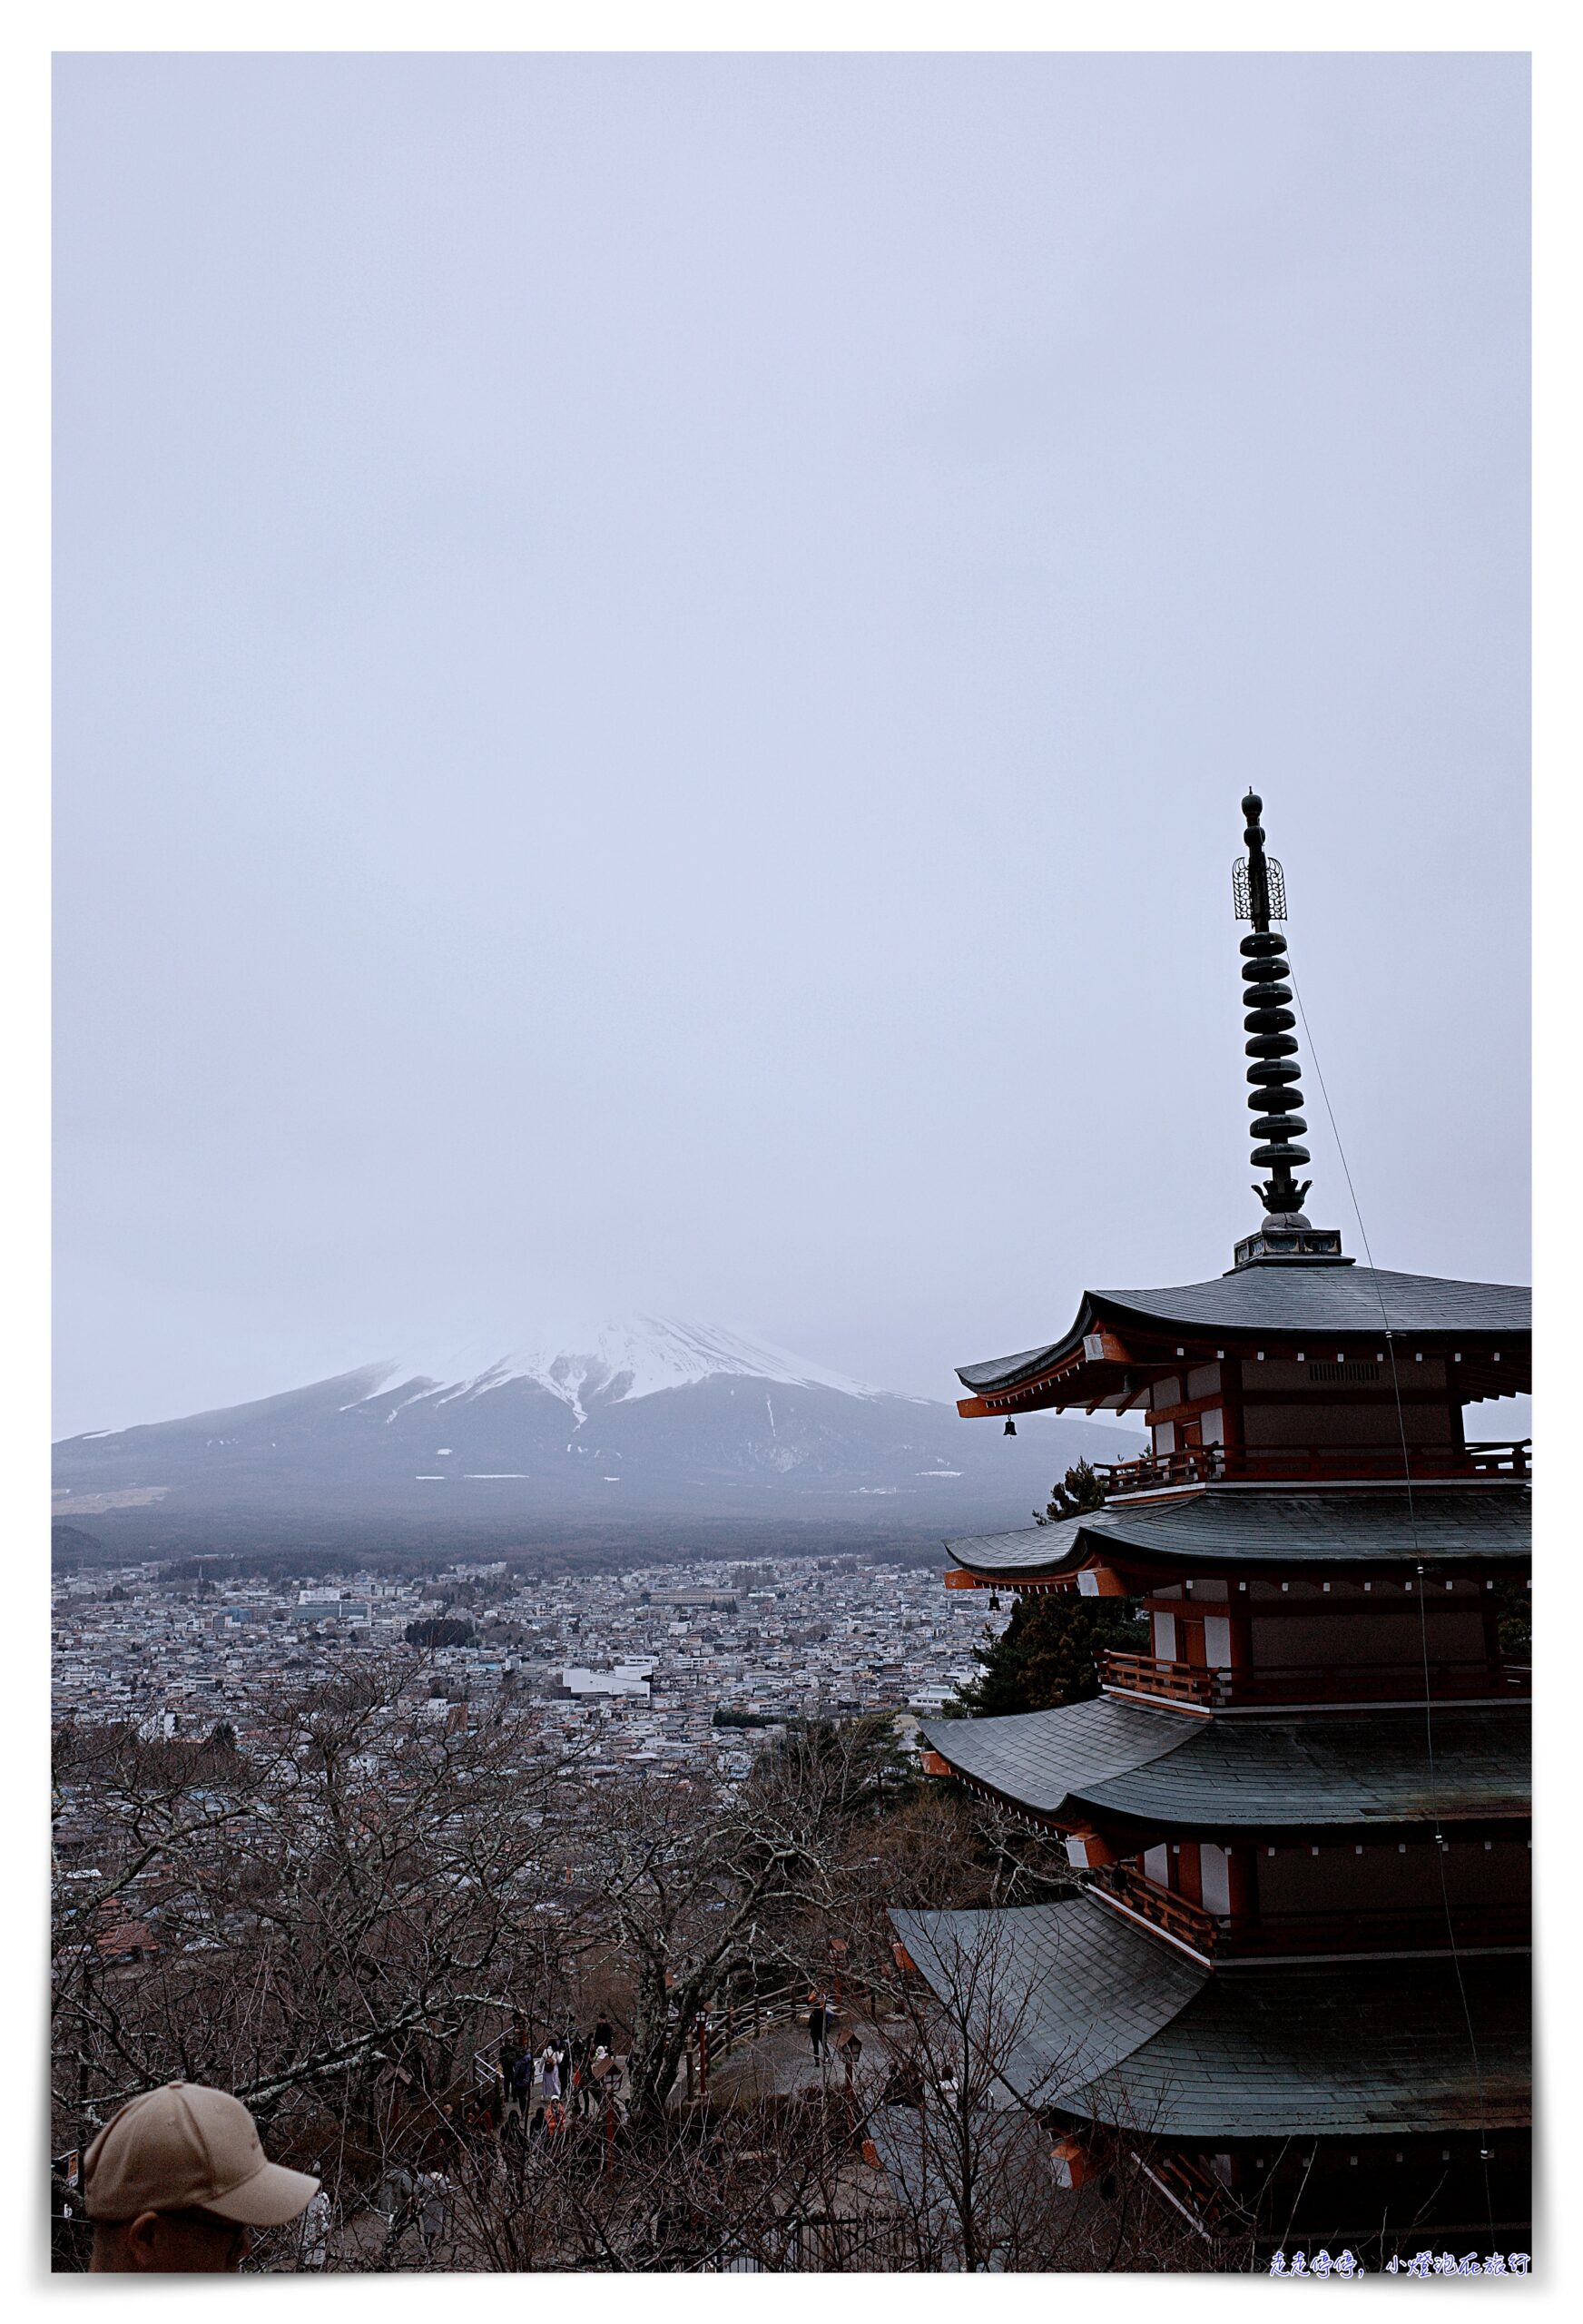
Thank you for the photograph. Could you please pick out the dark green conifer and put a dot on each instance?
(1046, 1654)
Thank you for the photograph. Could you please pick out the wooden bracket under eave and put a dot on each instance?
(1100, 1581)
(1087, 1849)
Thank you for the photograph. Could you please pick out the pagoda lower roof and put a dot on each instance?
(1316, 1301)
(1162, 1769)
(1010, 2146)
(1097, 2020)
(1261, 1525)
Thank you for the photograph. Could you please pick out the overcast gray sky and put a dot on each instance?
(656, 659)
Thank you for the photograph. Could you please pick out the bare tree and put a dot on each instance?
(346, 1912)
(314, 1922)
(975, 2127)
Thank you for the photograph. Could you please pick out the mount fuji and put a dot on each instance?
(651, 1421)
(644, 1357)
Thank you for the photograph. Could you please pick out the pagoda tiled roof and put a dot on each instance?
(1264, 1525)
(1093, 2018)
(1373, 2047)
(1164, 1768)
(1061, 1993)
(1280, 1299)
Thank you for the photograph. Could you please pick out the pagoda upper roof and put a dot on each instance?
(1159, 1768)
(1314, 1300)
(1265, 1525)
(1094, 2018)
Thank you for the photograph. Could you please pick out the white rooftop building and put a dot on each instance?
(628, 1679)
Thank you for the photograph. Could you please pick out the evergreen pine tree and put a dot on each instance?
(1044, 1655)
(1078, 1491)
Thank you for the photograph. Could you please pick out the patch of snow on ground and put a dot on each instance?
(424, 1388)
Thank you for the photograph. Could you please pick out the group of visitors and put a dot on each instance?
(537, 2090)
(410, 2198)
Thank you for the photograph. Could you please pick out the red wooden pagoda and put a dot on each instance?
(1294, 1982)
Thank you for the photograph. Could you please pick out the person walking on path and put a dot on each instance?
(433, 2201)
(479, 2138)
(176, 2178)
(582, 2056)
(549, 2068)
(818, 2023)
(398, 2201)
(314, 2232)
(518, 2088)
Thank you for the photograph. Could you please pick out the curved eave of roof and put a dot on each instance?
(1006, 1371)
(1363, 2051)
(1339, 1300)
(1158, 1770)
(1040, 1759)
(1332, 1528)
(1094, 2019)
(1066, 1991)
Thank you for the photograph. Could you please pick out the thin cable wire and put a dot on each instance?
(1422, 1617)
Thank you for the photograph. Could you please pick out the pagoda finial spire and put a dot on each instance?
(1258, 888)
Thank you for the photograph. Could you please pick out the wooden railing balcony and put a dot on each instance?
(1276, 1683)
(1391, 1929)
(1147, 1674)
(1160, 1906)
(1208, 1464)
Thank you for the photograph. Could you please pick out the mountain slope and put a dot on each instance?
(653, 1419)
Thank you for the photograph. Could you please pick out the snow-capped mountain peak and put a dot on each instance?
(492, 1445)
(642, 1356)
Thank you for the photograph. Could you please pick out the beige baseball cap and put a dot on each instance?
(188, 2147)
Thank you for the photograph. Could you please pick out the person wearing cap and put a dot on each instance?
(174, 2181)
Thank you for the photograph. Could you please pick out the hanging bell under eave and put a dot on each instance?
(1010, 1428)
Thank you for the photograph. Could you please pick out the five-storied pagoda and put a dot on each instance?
(1294, 1985)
